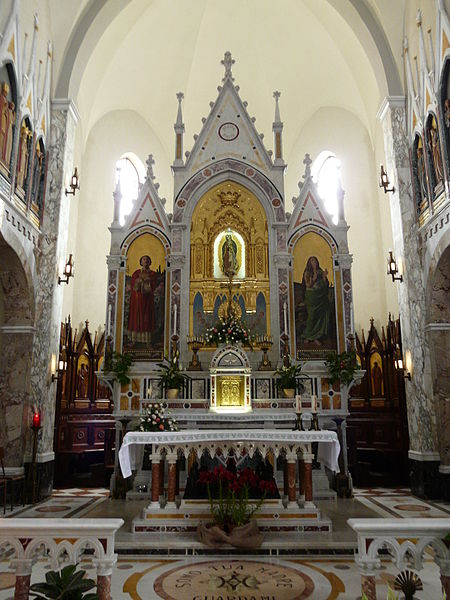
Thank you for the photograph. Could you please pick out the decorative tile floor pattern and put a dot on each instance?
(231, 577)
(239, 578)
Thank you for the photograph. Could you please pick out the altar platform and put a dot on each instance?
(170, 513)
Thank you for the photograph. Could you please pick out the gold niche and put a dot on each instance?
(229, 206)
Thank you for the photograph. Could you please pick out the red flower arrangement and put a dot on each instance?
(232, 507)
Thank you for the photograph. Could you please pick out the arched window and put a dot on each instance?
(326, 173)
(131, 172)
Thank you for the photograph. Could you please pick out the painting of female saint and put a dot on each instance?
(144, 315)
(314, 301)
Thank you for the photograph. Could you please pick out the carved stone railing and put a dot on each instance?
(406, 541)
(62, 541)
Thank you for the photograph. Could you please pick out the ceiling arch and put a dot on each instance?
(96, 17)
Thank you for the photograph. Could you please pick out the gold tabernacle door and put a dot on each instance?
(230, 380)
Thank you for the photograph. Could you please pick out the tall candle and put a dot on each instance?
(108, 324)
(285, 317)
(313, 403)
(298, 404)
(175, 319)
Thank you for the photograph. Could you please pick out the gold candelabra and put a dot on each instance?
(195, 342)
(265, 342)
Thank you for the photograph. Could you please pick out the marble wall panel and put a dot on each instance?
(421, 411)
(50, 255)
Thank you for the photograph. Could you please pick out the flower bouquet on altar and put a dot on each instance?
(231, 507)
(156, 418)
(228, 330)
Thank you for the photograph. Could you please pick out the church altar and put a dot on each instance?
(169, 513)
(232, 287)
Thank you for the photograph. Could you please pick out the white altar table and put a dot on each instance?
(294, 445)
(130, 453)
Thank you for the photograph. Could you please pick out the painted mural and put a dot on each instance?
(314, 297)
(145, 294)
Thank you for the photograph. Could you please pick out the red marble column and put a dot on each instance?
(445, 580)
(21, 591)
(161, 477)
(301, 477)
(155, 481)
(104, 587)
(307, 481)
(285, 478)
(172, 485)
(368, 586)
(291, 480)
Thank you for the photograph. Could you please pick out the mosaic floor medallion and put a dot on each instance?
(53, 508)
(227, 579)
(412, 507)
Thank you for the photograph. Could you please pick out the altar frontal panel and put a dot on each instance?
(144, 322)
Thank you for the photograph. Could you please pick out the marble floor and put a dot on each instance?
(296, 567)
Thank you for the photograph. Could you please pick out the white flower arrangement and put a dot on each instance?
(156, 418)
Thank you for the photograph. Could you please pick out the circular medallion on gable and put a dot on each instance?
(181, 202)
(276, 202)
(228, 132)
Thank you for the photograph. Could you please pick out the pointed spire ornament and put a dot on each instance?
(228, 62)
(277, 128)
(179, 131)
(307, 162)
(150, 162)
(277, 95)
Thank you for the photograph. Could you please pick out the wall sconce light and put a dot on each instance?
(384, 181)
(392, 268)
(74, 183)
(62, 365)
(68, 271)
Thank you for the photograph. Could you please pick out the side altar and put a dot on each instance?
(235, 286)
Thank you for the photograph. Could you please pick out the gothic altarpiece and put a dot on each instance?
(230, 245)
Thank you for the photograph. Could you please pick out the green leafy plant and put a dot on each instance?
(228, 330)
(342, 366)
(287, 376)
(228, 495)
(69, 584)
(171, 376)
(119, 364)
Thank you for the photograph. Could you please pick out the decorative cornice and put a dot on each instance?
(66, 104)
(390, 102)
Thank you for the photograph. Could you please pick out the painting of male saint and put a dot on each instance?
(314, 298)
(144, 318)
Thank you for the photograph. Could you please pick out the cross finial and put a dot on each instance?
(150, 162)
(180, 97)
(307, 162)
(276, 95)
(228, 62)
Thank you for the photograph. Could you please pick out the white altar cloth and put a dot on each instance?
(130, 453)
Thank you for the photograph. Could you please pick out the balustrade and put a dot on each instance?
(62, 542)
(406, 541)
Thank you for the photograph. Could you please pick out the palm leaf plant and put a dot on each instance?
(68, 584)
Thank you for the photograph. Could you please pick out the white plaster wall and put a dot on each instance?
(342, 133)
(115, 134)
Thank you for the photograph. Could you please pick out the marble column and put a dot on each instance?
(368, 586)
(161, 476)
(423, 454)
(104, 571)
(307, 482)
(291, 461)
(23, 567)
(301, 478)
(172, 478)
(51, 255)
(155, 479)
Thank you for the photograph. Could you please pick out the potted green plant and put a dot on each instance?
(171, 377)
(341, 366)
(119, 365)
(232, 510)
(69, 584)
(287, 379)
